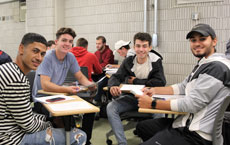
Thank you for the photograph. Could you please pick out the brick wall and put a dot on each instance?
(11, 30)
(120, 19)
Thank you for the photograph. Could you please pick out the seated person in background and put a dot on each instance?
(85, 58)
(51, 45)
(52, 72)
(103, 53)
(18, 123)
(144, 68)
(204, 89)
(4, 57)
(123, 49)
(105, 57)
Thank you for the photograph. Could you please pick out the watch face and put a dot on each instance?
(154, 104)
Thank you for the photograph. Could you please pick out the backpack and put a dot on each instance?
(4, 58)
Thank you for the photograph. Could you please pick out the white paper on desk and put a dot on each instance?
(127, 87)
(43, 99)
(168, 97)
(111, 71)
(135, 89)
(68, 106)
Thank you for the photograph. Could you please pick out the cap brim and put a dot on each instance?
(203, 33)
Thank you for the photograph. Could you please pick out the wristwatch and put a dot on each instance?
(154, 103)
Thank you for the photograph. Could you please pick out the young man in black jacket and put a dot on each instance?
(144, 68)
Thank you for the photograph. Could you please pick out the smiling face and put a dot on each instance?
(142, 49)
(32, 55)
(64, 43)
(202, 46)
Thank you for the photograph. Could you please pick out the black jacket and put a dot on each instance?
(155, 78)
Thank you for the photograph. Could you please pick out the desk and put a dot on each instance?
(67, 114)
(144, 110)
(54, 93)
(50, 93)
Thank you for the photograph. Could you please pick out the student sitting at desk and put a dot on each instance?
(85, 58)
(144, 68)
(18, 124)
(204, 89)
(124, 50)
(52, 72)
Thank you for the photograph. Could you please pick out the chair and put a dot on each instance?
(71, 78)
(217, 138)
(31, 76)
(133, 117)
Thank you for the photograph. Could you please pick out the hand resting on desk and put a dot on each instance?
(115, 91)
(144, 101)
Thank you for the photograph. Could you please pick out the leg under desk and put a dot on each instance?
(67, 123)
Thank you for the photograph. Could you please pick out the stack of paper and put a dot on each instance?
(110, 71)
(135, 89)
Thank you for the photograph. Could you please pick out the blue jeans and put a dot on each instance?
(126, 102)
(77, 137)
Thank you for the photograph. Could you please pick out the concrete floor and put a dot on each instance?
(101, 127)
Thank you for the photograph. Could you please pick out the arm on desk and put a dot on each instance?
(48, 86)
(145, 101)
(84, 81)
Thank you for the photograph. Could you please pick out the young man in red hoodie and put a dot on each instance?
(85, 58)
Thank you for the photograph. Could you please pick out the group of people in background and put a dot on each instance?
(204, 88)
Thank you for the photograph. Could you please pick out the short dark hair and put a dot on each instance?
(64, 30)
(143, 37)
(50, 43)
(126, 47)
(29, 38)
(82, 42)
(102, 38)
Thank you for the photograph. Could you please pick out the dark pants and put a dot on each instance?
(160, 132)
(100, 86)
(87, 125)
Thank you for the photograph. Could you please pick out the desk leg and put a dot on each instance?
(67, 123)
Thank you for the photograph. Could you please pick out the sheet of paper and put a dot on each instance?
(76, 105)
(134, 89)
(137, 92)
(168, 97)
(111, 71)
(43, 99)
(126, 87)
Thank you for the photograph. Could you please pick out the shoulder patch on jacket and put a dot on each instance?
(215, 69)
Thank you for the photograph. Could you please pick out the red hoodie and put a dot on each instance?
(87, 59)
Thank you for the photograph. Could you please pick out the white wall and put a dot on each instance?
(11, 30)
(120, 19)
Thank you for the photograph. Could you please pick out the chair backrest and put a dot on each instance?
(71, 78)
(31, 76)
(84, 70)
(217, 138)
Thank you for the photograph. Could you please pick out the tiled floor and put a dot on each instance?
(101, 127)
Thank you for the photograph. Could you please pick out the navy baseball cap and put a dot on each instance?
(203, 29)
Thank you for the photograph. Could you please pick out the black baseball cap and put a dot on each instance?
(203, 29)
